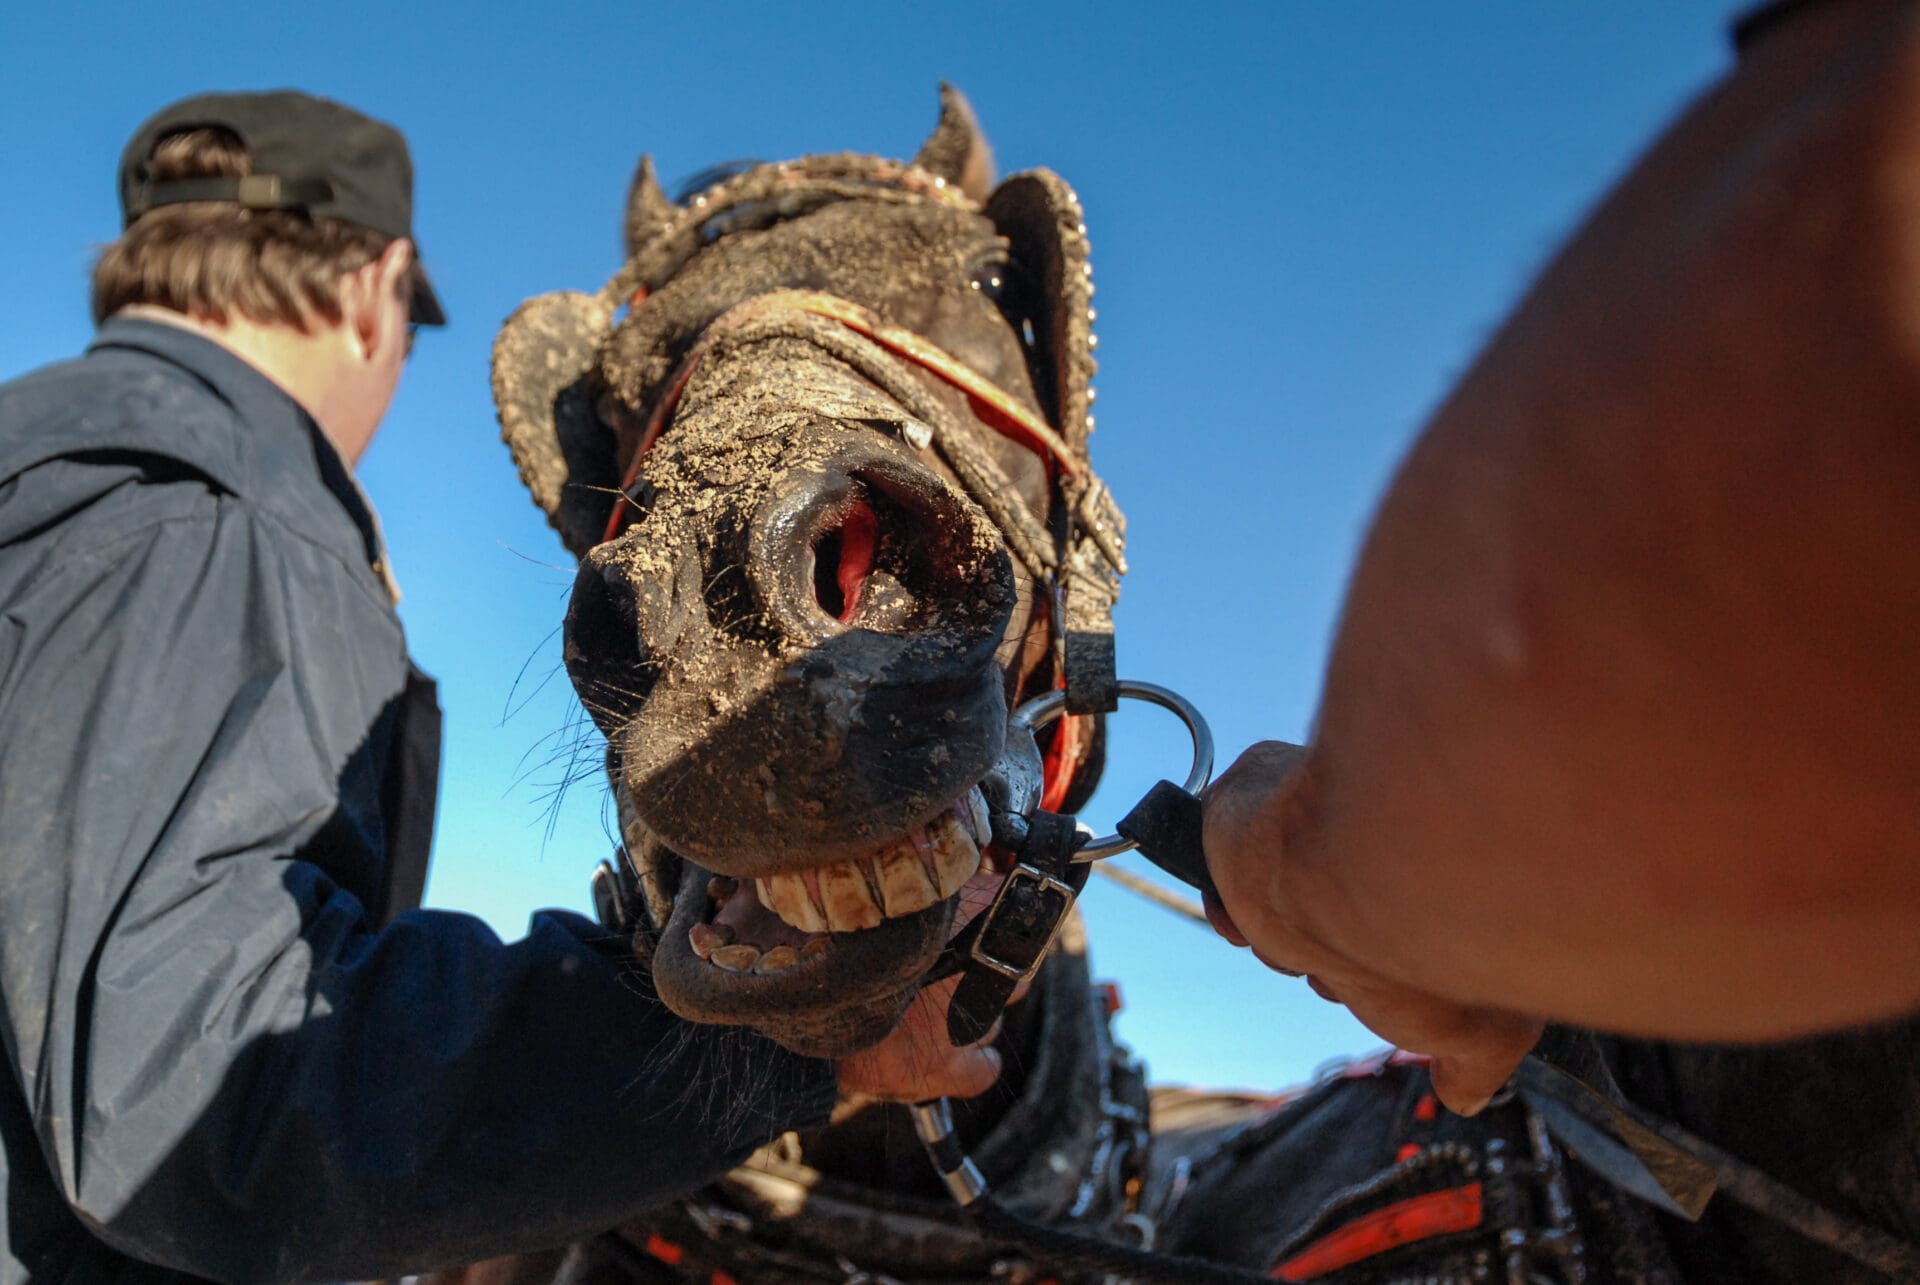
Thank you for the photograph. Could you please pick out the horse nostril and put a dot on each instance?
(843, 559)
(878, 545)
(604, 654)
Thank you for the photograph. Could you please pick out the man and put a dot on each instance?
(1620, 725)
(234, 1049)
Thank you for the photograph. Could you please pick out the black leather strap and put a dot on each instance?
(1016, 931)
(255, 191)
(1165, 826)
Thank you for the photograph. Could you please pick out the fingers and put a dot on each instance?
(958, 1073)
(1474, 1049)
(1221, 921)
(915, 1062)
(1242, 832)
(972, 1071)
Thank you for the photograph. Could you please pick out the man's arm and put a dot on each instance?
(1619, 727)
(230, 1071)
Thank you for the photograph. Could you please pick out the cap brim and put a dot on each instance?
(426, 304)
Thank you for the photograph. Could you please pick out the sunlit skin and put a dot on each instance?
(343, 372)
(1618, 727)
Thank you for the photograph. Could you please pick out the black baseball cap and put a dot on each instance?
(309, 154)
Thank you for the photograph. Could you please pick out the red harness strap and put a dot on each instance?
(1438, 1213)
(1072, 738)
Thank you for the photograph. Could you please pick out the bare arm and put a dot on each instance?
(1622, 725)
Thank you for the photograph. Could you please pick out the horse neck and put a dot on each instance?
(1836, 1117)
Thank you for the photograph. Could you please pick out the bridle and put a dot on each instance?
(1085, 556)
(993, 405)
(1080, 561)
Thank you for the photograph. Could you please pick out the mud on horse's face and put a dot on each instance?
(846, 411)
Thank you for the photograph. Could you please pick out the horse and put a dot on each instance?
(821, 448)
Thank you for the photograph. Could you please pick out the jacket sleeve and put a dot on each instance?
(231, 1072)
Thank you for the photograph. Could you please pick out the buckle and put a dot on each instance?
(1020, 926)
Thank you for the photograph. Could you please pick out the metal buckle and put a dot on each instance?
(1042, 881)
(259, 191)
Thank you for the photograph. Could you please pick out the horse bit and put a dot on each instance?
(1004, 947)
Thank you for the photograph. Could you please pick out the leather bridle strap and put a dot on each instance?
(1086, 672)
(989, 402)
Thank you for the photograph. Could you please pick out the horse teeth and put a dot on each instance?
(787, 897)
(815, 946)
(906, 876)
(777, 960)
(706, 938)
(905, 883)
(845, 897)
(955, 855)
(975, 811)
(736, 959)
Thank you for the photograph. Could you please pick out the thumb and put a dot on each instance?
(1467, 1080)
(970, 1072)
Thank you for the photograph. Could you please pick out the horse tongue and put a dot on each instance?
(754, 925)
(859, 537)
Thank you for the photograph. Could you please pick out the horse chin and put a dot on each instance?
(826, 959)
(843, 995)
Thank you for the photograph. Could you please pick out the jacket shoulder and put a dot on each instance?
(116, 401)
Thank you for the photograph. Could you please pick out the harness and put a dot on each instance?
(1078, 554)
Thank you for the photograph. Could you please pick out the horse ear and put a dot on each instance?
(956, 150)
(648, 208)
(543, 359)
(1040, 217)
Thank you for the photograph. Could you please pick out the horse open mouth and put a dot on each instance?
(825, 959)
(931, 863)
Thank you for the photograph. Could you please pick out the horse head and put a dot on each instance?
(820, 447)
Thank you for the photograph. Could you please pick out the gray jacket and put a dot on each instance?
(233, 1049)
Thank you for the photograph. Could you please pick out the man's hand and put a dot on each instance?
(1251, 812)
(916, 1062)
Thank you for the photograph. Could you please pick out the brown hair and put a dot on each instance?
(214, 258)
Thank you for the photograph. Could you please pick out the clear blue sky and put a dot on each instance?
(1306, 217)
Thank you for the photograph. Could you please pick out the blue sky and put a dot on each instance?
(1306, 217)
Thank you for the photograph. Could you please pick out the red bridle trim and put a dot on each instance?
(986, 399)
(1438, 1213)
(1072, 737)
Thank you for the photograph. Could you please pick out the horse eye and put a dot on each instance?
(991, 281)
(1004, 282)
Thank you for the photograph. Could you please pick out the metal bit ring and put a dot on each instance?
(1042, 710)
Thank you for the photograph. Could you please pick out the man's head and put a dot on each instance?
(284, 223)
